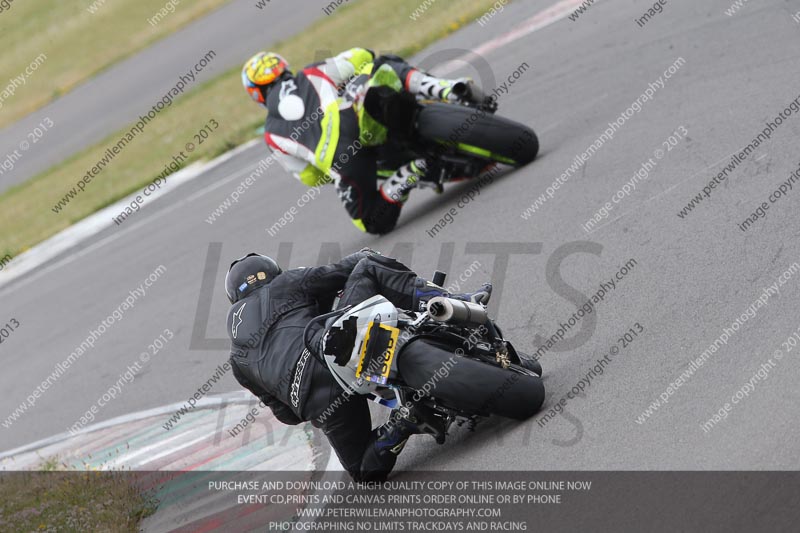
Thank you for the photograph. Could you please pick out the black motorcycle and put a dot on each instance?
(447, 364)
(461, 140)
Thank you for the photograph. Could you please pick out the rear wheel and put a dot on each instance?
(528, 367)
(526, 361)
(478, 133)
(532, 365)
(470, 385)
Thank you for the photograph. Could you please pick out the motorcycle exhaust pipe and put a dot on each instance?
(466, 89)
(444, 309)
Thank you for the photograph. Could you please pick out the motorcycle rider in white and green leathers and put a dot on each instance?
(319, 131)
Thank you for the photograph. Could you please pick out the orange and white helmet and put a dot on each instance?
(260, 71)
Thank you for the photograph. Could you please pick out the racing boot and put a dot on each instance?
(459, 90)
(425, 290)
(388, 441)
(481, 296)
(396, 188)
(432, 88)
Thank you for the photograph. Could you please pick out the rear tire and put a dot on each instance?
(470, 385)
(505, 140)
(533, 365)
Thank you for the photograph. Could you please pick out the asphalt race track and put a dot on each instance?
(690, 277)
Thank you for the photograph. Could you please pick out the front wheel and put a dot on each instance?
(477, 133)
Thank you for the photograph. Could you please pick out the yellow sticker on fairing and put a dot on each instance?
(386, 357)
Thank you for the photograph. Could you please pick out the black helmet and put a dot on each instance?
(249, 273)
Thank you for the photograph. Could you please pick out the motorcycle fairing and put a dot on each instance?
(376, 311)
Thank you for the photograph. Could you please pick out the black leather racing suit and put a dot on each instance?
(269, 358)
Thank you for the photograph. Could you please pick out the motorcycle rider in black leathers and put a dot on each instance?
(271, 308)
(314, 131)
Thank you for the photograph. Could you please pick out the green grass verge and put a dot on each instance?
(72, 501)
(77, 44)
(382, 25)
